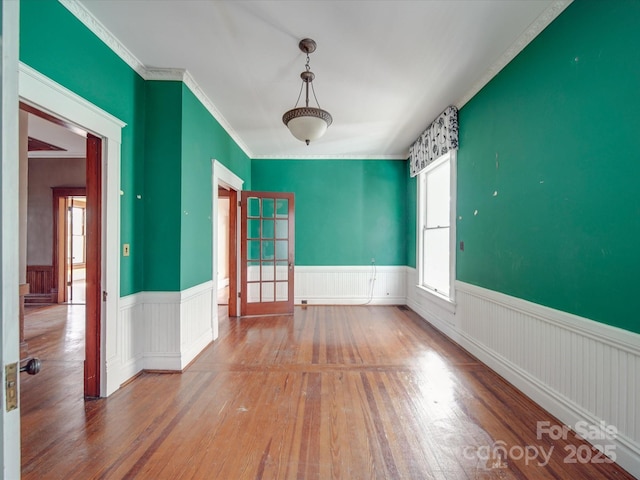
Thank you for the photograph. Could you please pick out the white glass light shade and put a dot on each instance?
(307, 129)
(307, 123)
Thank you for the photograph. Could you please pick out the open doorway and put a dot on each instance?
(226, 185)
(226, 255)
(70, 244)
(103, 134)
(64, 224)
(223, 245)
(75, 237)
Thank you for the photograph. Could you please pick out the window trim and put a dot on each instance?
(451, 157)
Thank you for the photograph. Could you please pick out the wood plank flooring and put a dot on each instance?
(328, 393)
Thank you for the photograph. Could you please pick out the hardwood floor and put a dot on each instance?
(331, 392)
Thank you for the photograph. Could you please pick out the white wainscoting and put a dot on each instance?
(350, 285)
(161, 314)
(161, 331)
(577, 369)
(128, 342)
(196, 321)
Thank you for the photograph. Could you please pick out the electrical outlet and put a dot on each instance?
(373, 260)
(125, 250)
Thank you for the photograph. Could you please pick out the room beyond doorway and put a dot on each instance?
(75, 264)
(72, 242)
(224, 251)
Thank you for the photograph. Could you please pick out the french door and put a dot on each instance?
(267, 253)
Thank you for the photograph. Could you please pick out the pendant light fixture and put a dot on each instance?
(307, 123)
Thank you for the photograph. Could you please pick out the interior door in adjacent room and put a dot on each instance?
(267, 253)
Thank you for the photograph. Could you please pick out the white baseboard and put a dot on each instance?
(577, 369)
(354, 301)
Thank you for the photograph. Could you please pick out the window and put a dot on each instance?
(436, 227)
(77, 225)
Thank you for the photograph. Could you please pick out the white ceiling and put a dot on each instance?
(384, 69)
(73, 145)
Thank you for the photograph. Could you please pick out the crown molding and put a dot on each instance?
(151, 73)
(540, 23)
(190, 82)
(175, 74)
(330, 157)
(100, 31)
(184, 76)
(165, 74)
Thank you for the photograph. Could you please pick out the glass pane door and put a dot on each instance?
(267, 253)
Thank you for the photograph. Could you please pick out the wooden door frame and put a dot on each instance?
(233, 253)
(93, 195)
(93, 306)
(232, 246)
(43, 93)
(60, 193)
(223, 177)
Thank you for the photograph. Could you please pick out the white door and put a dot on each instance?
(9, 179)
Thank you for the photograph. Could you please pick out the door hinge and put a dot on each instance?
(239, 295)
(239, 203)
(104, 296)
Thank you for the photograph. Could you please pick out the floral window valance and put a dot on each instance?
(440, 137)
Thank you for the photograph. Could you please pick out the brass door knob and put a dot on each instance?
(32, 366)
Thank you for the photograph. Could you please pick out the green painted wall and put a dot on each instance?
(550, 159)
(347, 211)
(182, 138)
(167, 147)
(163, 186)
(203, 139)
(58, 45)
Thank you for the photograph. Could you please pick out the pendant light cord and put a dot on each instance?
(307, 67)
(299, 95)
